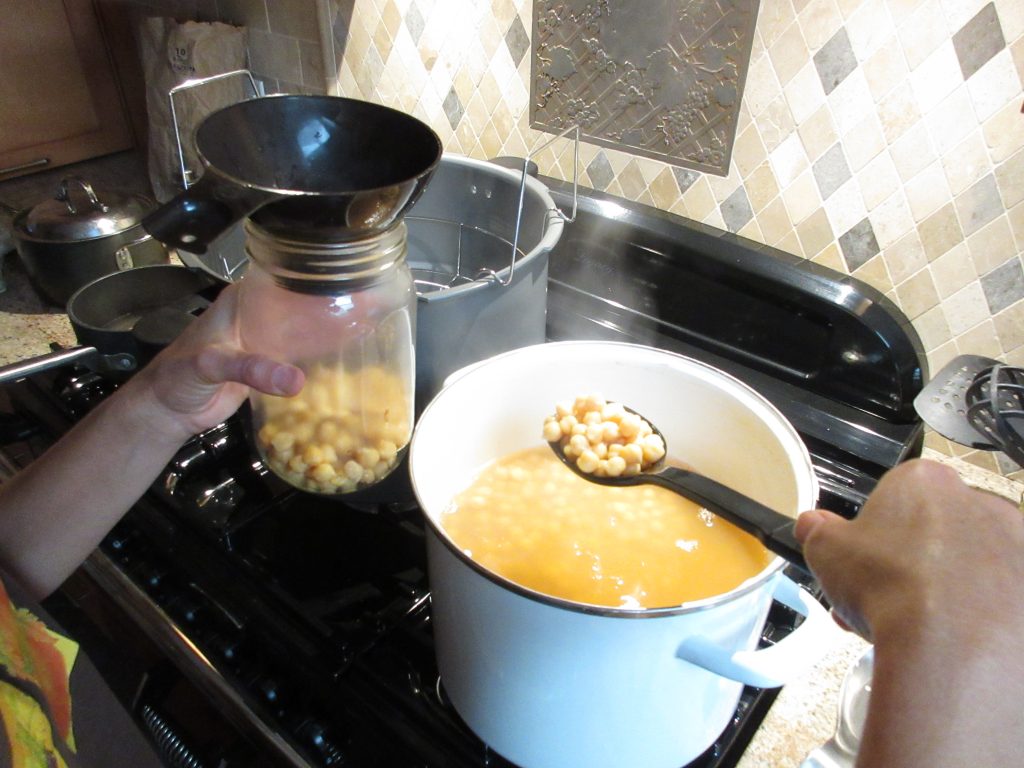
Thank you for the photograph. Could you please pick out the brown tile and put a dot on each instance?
(312, 62)
(917, 294)
(244, 13)
(632, 181)
(984, 459)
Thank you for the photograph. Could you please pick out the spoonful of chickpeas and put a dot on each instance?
(607, 443)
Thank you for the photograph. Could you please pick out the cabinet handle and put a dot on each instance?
(25, 166)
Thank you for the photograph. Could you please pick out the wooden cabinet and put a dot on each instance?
(60, 94)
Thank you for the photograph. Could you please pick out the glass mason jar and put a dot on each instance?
(344, 313)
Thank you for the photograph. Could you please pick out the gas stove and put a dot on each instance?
(303, 623)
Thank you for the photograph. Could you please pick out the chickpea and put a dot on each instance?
(345, 429)
(602, 437)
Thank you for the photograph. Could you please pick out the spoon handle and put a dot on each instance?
(771, 528)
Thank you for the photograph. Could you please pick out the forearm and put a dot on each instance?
(947, 694)
(56, 511)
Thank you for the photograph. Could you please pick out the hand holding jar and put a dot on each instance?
(344, 314)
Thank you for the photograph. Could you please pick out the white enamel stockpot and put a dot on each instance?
(550, 683)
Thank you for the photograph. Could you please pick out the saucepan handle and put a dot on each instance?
(774, 666)
(87, 356)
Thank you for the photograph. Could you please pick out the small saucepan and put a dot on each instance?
(306, 167)
(123, 319)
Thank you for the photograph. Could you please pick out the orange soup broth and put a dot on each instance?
(532, 520)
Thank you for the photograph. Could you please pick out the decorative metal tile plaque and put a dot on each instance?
(658, 78)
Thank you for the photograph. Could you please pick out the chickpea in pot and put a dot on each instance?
(603, 438)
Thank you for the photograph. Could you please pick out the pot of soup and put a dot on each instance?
(577, 624)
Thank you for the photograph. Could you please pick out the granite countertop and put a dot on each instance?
(804, 714)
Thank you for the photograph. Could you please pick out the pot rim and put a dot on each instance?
(552, 231)
(753, 583)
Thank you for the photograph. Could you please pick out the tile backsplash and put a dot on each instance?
(882, 138)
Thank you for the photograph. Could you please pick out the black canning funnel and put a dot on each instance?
(320, 168)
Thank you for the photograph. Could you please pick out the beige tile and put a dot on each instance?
(818, 133)
(815, 232)
(789, 53)
(886, 68)
(830, 256)
(995, 85)
(1009, 327)
(900, 10)
(951, 120)
(913, 152)
(804, 93)
(1003, 132)
(864, 142)
(936, 77)
(933, 329)
(892, 219)
(927, 191)
(845, 208)
(980, 340)
(898, 111)
(940, 232)
(819, 20)
(714, 219)
(874, 273)
(774, 221)
(878, 180)
(801, 197)
(789, 160)
(1015, 217)
(984, 459)
(1010, 177)
(967, 162)
(869, 28)
(937, 442)
(917, 294)
(1017, 51)
(790, 243)
(752, 231)
(966, 308)
(698, 199)
(774, 17)
(748, 151)
(850, 101)
(905, 257)
(922, 31)
(775, 123)
(761, 87)
(761, 186)
(664, 189)
(1011, 18)
(992, 245)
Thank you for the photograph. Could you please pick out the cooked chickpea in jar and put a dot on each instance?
(603, 438)
(344, 430)
(531, 520)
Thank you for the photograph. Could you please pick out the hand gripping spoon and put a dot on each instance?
(773, 529)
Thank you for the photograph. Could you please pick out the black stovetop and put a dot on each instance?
(317, 612)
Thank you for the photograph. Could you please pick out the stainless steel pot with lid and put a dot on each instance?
(79, 236)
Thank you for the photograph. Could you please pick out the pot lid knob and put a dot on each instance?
(82, 216)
